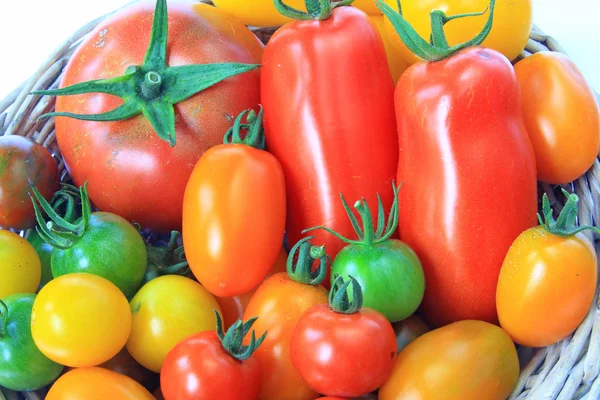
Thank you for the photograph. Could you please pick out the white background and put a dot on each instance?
(30, 30)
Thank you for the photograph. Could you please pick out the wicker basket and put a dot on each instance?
(569, 370)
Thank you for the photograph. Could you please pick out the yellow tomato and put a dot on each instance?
(80, 320)
(257, 12)
(509, 35)
(165, 311)
(395, 59)
(262, 13)
(96, 384)
(367, 6)
(20, 267)
(467, 360)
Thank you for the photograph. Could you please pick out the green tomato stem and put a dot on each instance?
(367, 234)
(301, 271)
(152, 85)
(59, 232)
(255, 136)
(339, 300)
(565, 225)
(438, 49)
(232, 341)
(316, 9)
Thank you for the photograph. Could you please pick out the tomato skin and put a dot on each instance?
(22, 365)
(510, 30)
(111, 248)
(471, 155)
(96, 384)
(281, 302)
(325, 344)
(233, 308)
(389, 273)
(20, 269)
(130, 170)
(264, 14)
(165, 311)
(472, 360)
(201, 358)
(309, 69)
(561, 116)
(80, 320)
(232, 232)
(22, 159)
(546, 286)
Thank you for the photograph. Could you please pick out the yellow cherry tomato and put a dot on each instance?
(395, 59)
(262, 13)
(80, 320)
(165, 311)
(20, 267)
(96, 384)
(510, 30)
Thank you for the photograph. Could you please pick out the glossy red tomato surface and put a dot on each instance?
(344, 355)
(200, 368)
(131, 171)
(469, 178)
(327, 92)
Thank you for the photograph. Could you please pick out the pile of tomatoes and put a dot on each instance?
(277, 288)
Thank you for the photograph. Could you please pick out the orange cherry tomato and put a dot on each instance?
(561, 116)
(96, 383)
(233, 307)
(467, 360)
(546, 286)
(234, 215)
(280, 302)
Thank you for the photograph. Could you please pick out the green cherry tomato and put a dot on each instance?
(98, 243)
(22, 365)
(44, 251)
(389, 273)
(111, 248)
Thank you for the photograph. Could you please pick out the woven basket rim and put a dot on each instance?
(567, 370)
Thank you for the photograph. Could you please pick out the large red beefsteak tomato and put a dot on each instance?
(138, 166)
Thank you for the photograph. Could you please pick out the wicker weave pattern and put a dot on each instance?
(565, 371)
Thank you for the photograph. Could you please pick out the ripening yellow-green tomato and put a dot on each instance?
(165, 311)
(20, 267)
(80, 320)
(509, 34)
